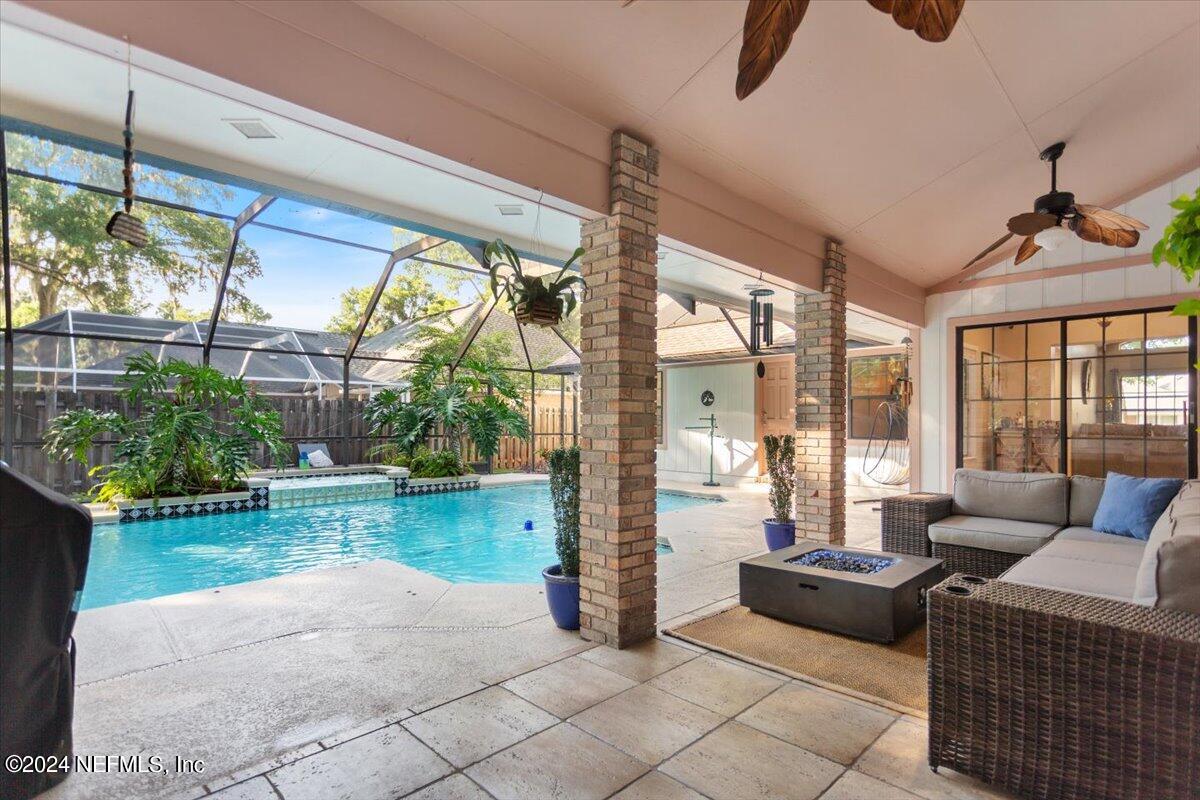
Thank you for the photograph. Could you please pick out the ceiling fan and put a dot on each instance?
(1056, 215)
(771, 23)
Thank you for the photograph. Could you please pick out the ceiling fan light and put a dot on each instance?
(1051, 238)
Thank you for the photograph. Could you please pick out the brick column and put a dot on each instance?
(821, 405)
(617, 578)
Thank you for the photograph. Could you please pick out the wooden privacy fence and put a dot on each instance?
(305, 419)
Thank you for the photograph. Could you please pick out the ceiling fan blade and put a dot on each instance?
(932, 20)
(1089, 230)
(1111, 219)
(1027, 250)
(765, 38)
(1030, 222)
(990, 248)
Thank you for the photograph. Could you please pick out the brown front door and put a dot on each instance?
(775, 399)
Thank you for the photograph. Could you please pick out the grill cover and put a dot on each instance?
(45, 540)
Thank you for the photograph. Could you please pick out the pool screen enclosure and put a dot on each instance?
(74, 354)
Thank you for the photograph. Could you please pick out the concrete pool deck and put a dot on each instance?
(377, 680)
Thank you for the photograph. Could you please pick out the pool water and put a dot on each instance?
(463, 537)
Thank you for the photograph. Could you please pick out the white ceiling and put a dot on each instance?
(913, 153)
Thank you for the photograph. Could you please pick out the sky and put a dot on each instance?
(302, 279)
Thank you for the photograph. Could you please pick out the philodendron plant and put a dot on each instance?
(781, 467)
(543, 300)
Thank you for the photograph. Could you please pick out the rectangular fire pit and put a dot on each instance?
(870, 595)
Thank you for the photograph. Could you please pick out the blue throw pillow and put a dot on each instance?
(1130, 506)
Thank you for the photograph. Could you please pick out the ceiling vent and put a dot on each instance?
(511, 209)
(252, 128)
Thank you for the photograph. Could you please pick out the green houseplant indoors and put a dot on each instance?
(562, 579)
(780, 531)
(190, 430)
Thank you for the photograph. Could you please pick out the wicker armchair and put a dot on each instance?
(1050, 694)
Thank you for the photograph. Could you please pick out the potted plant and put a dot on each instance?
(780, 531)
(562, 579)
(539, 300)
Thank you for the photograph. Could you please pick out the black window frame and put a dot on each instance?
(878, 398)
(1193, 323)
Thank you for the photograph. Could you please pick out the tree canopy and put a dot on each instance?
(415, 290)
(64, 258)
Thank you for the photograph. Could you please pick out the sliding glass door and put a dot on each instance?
(1081, 395)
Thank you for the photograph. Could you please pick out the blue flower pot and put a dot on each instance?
(562, 594)
(779, 534)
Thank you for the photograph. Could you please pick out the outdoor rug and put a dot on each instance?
(890, 674)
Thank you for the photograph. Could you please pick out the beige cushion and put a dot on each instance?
(1030, 497)
(1169, 574)
(1085, 544)
(1085, 498)
(1068, 574)
(991, 533)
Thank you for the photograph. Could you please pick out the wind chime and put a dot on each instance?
(762, 315)
(124, 225)
(902, 388)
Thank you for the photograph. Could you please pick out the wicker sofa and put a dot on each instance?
(1074, 672)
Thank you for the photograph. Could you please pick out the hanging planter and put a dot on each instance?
(534, 300)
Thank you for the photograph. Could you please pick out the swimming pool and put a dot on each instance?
(464, 537)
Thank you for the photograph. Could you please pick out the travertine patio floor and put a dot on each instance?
(379, 681)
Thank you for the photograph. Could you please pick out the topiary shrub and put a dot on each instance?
(563, 464)
(781, 466)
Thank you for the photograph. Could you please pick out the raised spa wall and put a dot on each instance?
(258, 495)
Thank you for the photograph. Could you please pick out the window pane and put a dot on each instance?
(977, 452)
(861, 413)
(972, 383)
(1043, 340)
(1085, 457)
(1043, 377)
(976, 341)
(1010, 380)
(1126, 456)
(1008, 414)
(1085, 419)
(1010, 450)
(1008, 342)
(977, 420)
(1084, 377)
(1166, 459)
(1084, 337)
(1124, 332)
(1165, 330)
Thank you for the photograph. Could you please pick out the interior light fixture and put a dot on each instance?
(510, 209)
(252, 128)
(1051, 238)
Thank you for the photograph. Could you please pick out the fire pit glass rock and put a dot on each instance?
(842, 562)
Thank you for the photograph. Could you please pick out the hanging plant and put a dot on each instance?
(538, 300)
